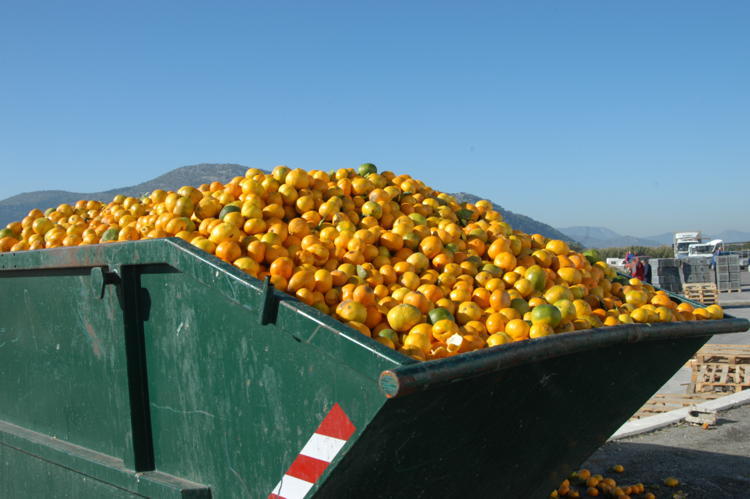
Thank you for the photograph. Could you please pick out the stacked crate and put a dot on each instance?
(665, 274)
(696, 270)
(728, 272)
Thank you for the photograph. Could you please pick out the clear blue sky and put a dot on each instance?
(630, 115)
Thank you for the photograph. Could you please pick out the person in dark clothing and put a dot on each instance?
(638, 268)
(646, 271)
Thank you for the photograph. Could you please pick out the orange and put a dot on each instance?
(537, 277)
(431, 246)
(715, 311)
(224, 232)
(499, 299)
(546, 314)
(364, 294)
(8, 242)
(685, 307)
(349, 310)
(468, 311)
(671, 481)
(611, 321)
(582, 308)
(636, 297)
(42, 225)
(418, 341)
(505, 260)
(640, 315)
(248, 265)
(418, 300)
(540, 329)
(557, 247)
(481, 297)
(570, 275)
(662, 300)
(432, 292)
(664, 314)
(523, 286)
(510, 313)
(256, 250)
(475, 328)
(517, 329)
(302, 279)
(444, 329)
(499, 338)
(567, 309)
(323, 280)
(498, 246)
(228, 251)
(701, 314)
(535, 301)
(558, 292)
(495, 323)
(282, 266)
(403, 317)
(543, 258)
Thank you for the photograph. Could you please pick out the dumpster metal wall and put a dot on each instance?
(152, 368)
(150, 361)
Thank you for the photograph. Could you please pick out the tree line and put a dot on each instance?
(664, 251)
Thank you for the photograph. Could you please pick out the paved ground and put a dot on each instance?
(712, 463)
(736, 304)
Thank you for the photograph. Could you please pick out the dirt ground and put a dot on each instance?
(710, 464)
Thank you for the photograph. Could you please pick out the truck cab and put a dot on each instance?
(682, 242)
(705, 249)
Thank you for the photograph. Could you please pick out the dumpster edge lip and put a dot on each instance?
(404, 380)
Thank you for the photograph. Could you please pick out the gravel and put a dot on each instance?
(710, 463)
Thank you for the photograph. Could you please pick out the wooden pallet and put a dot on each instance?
(705, 292)
(720, 377)
(712, 353)
(665, 402)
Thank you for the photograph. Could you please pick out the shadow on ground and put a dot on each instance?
(702, 475)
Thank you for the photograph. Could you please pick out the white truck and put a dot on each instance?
(705, 249)
(682, 242)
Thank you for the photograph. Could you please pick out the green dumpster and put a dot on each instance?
(153, 369)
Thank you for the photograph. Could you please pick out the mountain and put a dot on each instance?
(602, 237)
(732, 236)
(16, 207)
(728, 236)
(520, 222)
(665, 239)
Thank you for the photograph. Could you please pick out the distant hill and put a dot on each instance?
(602, 237)
(732, 236)
(520, 222)
(16, 207)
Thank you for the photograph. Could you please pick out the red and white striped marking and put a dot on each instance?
(324, 445)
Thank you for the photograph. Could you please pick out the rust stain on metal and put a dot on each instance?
(95, 343)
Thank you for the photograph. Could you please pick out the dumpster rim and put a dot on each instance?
(404, 380)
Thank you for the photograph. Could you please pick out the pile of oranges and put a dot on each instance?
(383, 253)
(583, 483)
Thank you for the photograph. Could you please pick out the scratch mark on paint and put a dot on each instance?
(177, 411)
(229, 461)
